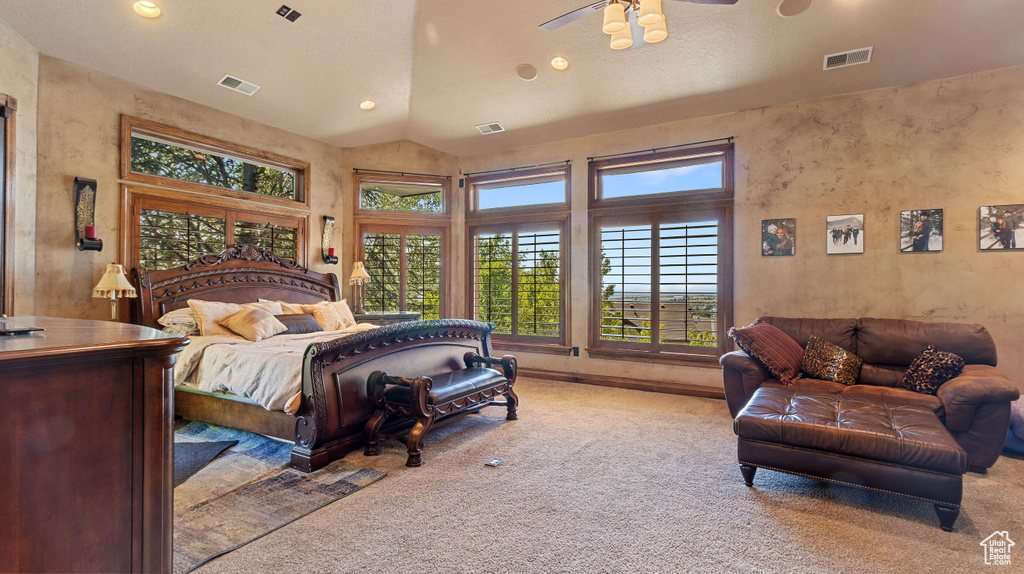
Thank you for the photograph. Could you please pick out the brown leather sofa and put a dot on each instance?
(975, 406)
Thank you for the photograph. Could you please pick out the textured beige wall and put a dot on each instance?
(79, 135)
(407, 157)
(19, 74)
(953, 144)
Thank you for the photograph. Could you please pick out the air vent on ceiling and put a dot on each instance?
(237, 85)
(849, 58)
(491, 128)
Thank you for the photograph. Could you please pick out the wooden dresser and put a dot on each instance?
(86, 447)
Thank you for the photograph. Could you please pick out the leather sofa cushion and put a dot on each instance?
(881, 375)
(807, 384)
(894, 397)
(898, 341)
(448, 386)
(902, 434)
(842, 332)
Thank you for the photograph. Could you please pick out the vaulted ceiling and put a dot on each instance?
(437, 68)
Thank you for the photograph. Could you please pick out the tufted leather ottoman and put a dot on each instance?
(897, 448)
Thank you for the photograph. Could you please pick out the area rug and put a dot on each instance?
(248, 493)
(190, 457)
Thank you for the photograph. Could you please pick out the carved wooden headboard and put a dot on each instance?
(241, 274)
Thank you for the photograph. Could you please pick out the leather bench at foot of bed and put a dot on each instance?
(899, 449)
(428, 399)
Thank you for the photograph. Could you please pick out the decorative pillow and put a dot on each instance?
(181, 330)
(299, 324)
(272, 307)
(183, 320)
(209, 312)
(930, 370)
(347, 318)
(253, 324)
(286, 308)
(325, 314)
(823, 360)
(776, 350)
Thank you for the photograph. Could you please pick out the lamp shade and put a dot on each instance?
(650, 13)
(113, 283)
(622, 39)
(614, 18)
(359, 275)
(655, 33)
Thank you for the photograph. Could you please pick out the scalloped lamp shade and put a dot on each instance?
(359, 275)
(113, 283)
(614, 18)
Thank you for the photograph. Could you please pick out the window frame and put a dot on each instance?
(7, 201)
(177, 136)
(655, 209)
(404, 230)
(137, 199)
(359, 177)
(514, 341)
(473, 182)
(503, 218)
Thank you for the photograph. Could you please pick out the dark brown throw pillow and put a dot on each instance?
(930, 370)
(776, 350)
(828, 362)
(299, 324)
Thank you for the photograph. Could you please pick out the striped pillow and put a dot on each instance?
(777, 351)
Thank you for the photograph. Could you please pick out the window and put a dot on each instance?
(662, 263)
(415, 197)
(207, 195)
(519, 257)
(8, 108)
(405, 266)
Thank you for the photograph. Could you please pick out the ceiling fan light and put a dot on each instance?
(656, 33)
(622, 39)
(614, 18)
(650, 13)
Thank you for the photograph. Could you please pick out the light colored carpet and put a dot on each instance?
(611, 480)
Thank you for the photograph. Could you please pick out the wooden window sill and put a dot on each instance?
(690, 360)
(544, 348)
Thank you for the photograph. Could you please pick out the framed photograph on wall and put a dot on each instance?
(921, 230)
(844, 234)
(999, 227)
(778, 237)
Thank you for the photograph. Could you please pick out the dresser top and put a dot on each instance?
(72, 336)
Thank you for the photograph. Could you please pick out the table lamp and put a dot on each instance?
(113, 284)
(359, 278)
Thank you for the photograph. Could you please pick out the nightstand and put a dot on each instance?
(386, 318)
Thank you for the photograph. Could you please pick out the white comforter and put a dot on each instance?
(268, 372)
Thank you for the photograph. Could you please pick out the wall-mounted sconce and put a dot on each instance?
(325, 243)
(85, 215)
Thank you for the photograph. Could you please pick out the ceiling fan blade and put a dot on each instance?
(709, 1)
(574, 15)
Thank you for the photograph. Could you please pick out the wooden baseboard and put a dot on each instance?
(624, 383)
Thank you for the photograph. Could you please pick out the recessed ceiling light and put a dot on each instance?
(790, 8)
(367, 104)
(526, 72)
(146, 9)
(559, 63)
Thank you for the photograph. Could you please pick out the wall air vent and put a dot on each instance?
(233, 83)
(849, 58)
(491, 128)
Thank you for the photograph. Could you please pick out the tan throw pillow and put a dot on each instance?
(325, 314)
(828, 362)
(272, 307)
(253, 324)
(209, 312)
(347, 318)
(286, 308)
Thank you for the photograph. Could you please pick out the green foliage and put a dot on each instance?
(170, 161)
(538, 298)
(380, 198)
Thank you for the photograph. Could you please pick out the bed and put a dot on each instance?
(332, 409)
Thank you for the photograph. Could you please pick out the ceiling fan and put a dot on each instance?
(624, 19)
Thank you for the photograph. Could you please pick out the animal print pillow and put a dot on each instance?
(828, 362)
(930, 370)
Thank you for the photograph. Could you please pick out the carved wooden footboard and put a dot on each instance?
(335, 408)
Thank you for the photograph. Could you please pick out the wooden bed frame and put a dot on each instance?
(334, 406)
